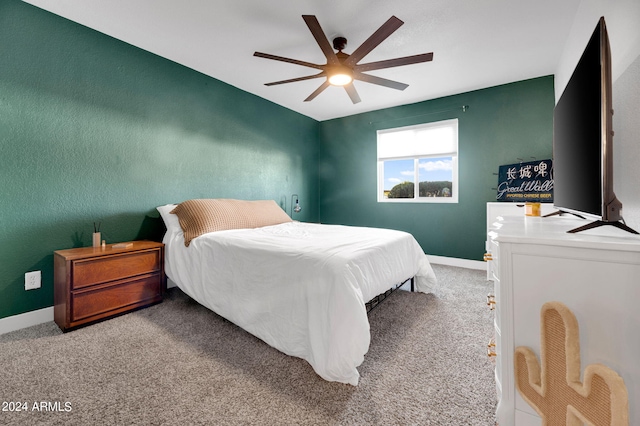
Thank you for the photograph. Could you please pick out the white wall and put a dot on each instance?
(626, 142)
(623, 25)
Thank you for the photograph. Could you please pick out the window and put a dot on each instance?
(419, 163)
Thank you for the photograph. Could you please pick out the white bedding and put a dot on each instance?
(300, 287)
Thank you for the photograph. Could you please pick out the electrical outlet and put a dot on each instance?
(32, 280)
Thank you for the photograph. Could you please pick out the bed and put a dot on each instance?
(300, 287)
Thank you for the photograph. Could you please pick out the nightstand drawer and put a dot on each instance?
(110, 299)
(92, 284)
(92, 271)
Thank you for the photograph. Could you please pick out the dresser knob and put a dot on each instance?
(491, 301)
(491, 349)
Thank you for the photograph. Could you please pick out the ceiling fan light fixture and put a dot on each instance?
(341, 68)
(340, 79)
(339, 75)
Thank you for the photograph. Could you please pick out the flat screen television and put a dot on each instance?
(583, 139)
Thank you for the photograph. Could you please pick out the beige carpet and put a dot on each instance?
(179, 363)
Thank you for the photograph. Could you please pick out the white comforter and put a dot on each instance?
(299, 287)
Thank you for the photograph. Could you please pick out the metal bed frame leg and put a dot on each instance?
(379, 298)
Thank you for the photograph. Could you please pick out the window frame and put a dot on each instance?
(453, 124)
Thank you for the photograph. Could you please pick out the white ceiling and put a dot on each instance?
(476, 43)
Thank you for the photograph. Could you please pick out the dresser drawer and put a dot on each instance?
(498, 342)
(97, 270)
(494, 248)
(497, 307)
(113, 298)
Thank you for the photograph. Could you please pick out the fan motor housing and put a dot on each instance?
(339, 43)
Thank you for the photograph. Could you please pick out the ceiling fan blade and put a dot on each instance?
(293, 80)
(353, 94)
(289, 60)
(317, 91)
(397, 62)
(321, 39)
(376, 38)
(379, 81)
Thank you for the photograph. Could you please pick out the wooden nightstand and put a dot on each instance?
(92, 284)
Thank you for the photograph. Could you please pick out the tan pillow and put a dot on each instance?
(201, 216)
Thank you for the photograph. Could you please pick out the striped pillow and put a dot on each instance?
(201, 216)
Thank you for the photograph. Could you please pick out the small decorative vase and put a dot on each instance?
(96, 239)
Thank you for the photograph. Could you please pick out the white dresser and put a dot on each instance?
(595, 273)
(496, 211)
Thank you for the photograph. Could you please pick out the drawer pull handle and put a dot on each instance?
(491, 301)
(488, 257)
(491, 349)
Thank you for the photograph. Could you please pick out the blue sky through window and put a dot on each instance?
(397, 171)
(431, 169)
(436, 169)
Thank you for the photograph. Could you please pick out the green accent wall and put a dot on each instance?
(94, 129)
(500, 125)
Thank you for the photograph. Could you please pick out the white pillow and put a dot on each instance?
(170, 220)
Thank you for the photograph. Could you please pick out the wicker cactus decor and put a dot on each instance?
(552, 386)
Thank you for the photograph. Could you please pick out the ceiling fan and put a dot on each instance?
(341, 69)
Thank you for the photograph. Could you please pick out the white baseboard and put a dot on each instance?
(461, 263)
(40, 316)
(16, 322)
